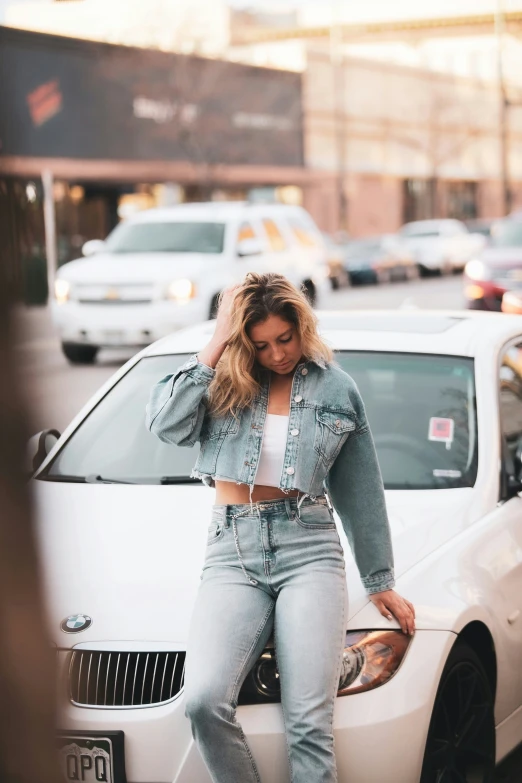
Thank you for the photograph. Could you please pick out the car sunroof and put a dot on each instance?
(387, 323)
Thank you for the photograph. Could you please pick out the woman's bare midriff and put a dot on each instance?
(228, 492)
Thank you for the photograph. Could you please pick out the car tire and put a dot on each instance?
(412, 272)
(80, 354)
(214, 305)
(461, 736)
(342, 280)
(308, 288)
(383, 276)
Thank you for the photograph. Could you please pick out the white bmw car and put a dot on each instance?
(123, 530)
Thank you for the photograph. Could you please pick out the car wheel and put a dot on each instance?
(425, 271)
(80, 354)
(461, 737)
(214, 305)
(309, 291)
(412, 272)
(334, 283)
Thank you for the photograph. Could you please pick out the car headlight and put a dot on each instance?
(476, 270)
(181, 290)
(62, 290)
(370, 659)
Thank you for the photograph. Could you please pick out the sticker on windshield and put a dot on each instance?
(442, 430)
(439, 473)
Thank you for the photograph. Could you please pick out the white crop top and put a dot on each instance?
(273, 447)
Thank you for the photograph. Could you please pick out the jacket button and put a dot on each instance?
(298, 398)
(290, 471)
(338, 423)
(304, 371)
(294, 432)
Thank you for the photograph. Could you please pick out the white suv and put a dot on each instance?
(164, 268)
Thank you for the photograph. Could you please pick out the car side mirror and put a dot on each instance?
(249, 247)
(39, 446)
(93, 246)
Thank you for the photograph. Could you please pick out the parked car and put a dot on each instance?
(379, 259)
(163, 269)
(481, 226)
(497, 269)
(442, 246)
(122, 529)
(336, 270)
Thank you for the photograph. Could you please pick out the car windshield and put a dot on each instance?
(506, 233)
(171, 237)
(420, 231)
(363, 248)
(421, 409)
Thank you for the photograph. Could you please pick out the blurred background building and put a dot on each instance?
(368, 115)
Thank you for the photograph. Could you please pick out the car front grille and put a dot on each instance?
(125, 679)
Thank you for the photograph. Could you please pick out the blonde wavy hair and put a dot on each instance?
(238, 375)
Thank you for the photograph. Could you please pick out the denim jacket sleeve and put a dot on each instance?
(177, 404)
(356, 490)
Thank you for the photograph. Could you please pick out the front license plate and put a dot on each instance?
(92, 759)
(113, 337)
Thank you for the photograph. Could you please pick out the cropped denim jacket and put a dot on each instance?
(329, 447)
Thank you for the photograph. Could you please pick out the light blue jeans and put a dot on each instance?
(271, 567)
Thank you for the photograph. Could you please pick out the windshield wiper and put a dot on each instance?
(178, 480)
(93, 479)
(58, 477)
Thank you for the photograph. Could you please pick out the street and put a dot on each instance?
(57, 390)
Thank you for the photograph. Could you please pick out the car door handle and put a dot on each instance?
(513, 617)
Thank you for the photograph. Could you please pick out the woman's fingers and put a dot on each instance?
(394, 605)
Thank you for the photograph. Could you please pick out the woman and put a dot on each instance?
(278, 421)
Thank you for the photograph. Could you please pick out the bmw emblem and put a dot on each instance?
(75, 623)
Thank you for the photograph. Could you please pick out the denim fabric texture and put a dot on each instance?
(300, 596)
(329, 447)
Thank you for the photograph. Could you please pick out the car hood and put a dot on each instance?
(130, 557)
(137, 267)
(502, 256)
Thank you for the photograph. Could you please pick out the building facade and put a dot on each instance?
(398, 144)
(116, 128)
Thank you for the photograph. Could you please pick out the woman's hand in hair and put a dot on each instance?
(390, 604)
(222, 332)
(211, 353)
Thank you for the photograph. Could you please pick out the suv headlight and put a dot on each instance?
(181, 290)
(370, 659)
(62, 290)
(477, 270)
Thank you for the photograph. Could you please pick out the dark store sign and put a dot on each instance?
(62, 97)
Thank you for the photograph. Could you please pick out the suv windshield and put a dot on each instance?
(506, 233)
(421, 409)
(169, 237)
